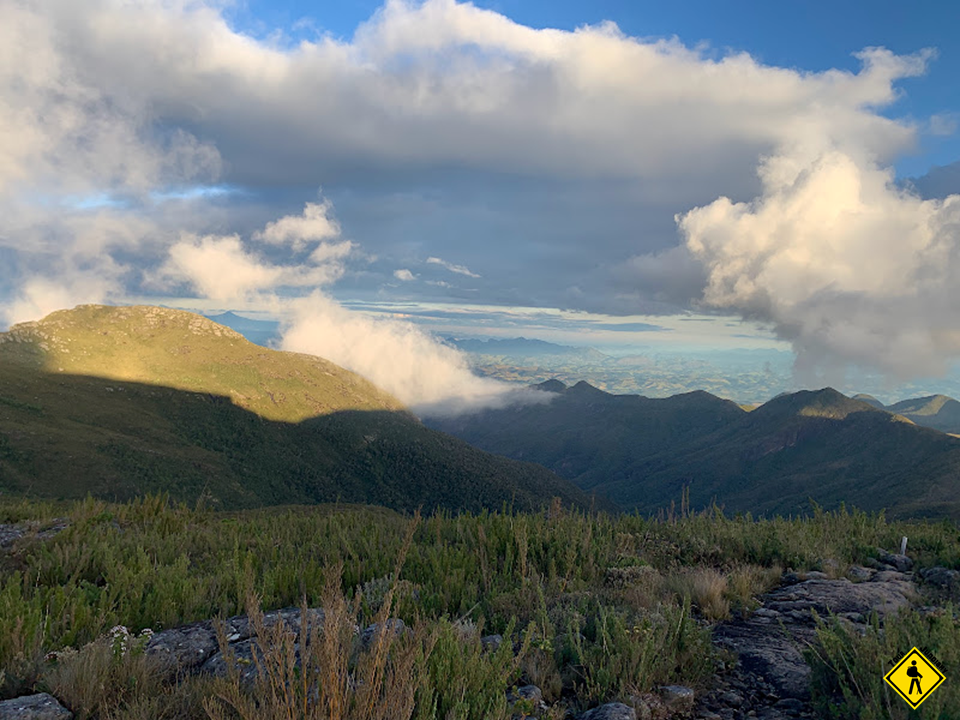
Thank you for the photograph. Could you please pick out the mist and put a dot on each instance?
(432, 378)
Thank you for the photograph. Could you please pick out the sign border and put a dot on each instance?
(928, 693)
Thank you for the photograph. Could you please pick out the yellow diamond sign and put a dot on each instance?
(914, 678)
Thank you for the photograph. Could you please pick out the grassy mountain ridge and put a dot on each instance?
(646, 453)
(936, 411)
(177, 349)
(117, 402)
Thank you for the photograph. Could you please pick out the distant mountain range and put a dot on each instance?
(261, 332)
(522, 347)
(936, 411)
(120, 401)
(647, 453)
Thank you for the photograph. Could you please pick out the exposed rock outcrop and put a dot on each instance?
(41, 706)
(195, 647)
(771, 677)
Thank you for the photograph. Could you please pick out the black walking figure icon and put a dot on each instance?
(915, 677)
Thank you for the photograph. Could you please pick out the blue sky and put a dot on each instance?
(787, 174)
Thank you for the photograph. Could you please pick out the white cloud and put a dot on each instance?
(845, 265)
(459, 269)
(221, 268)
(442, 83)
(41, 296)
(314, 224)
(404, 275)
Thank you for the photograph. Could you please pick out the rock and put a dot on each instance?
(770, 653)
(731, 699)
(816, 575)
(769, 643)
(842, 596)
(370, 634)
(242, 653)
(9, 534)
(610, 711)
(942, 578)
(530, 693)
(491, 643)
(769, 713)
(678, 699)
(889, 575)
(34, 707)
(790, 706)
(900, 563)
(188, 648)
(766, 613)
(858, 573)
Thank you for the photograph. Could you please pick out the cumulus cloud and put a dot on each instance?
(422, 94)
(404, 275)
(221, 268)
(313, 224)
(843, 263)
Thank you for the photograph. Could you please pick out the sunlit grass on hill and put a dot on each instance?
(183, 351)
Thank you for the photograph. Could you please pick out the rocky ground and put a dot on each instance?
(770, 678)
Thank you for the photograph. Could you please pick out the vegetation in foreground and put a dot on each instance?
(593, 608)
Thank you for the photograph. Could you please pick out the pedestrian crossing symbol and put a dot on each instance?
(914, 678)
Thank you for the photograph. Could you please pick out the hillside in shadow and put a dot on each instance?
(647, 453)
(67, 436)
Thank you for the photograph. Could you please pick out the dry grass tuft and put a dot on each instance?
(106, 676)
(746, 582)
(321, 674)
(705, 587)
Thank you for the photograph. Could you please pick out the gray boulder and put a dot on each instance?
(188, 648)
(943, 579)
(610, 711)
(393, 626)
(900, 563)
(678, 699)
(34, 707)
(858, 573)
(491, 643)
(769, 644)
(528, 693)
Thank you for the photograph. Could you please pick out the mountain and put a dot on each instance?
(936, 411)
(261, 332)
(869, 400)
(522, 347)
(590, 436)
(120, 401)
(646, 453)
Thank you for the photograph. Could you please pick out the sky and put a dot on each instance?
(782, 174)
